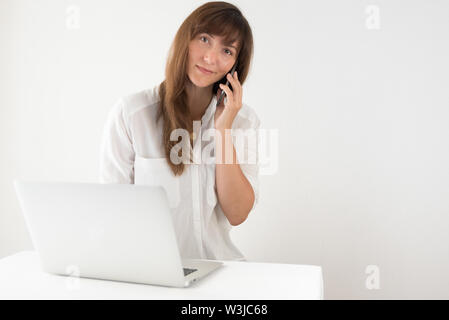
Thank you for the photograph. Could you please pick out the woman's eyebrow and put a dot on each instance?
(228, 45)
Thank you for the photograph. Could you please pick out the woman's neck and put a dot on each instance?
(198, 99)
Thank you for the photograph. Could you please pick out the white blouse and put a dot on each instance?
(132, 152)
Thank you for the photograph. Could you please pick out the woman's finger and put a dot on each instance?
(229, 94)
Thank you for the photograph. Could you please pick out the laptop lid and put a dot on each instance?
(118, 232)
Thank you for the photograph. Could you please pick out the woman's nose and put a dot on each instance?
(210, 56)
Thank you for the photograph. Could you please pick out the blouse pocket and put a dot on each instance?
(157, 172)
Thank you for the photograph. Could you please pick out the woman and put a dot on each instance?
(206, 198)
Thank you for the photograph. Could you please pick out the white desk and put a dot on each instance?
(21, 277)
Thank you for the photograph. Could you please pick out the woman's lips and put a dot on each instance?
(204, 70)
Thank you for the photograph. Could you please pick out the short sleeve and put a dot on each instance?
(117, 153)
(247, 147)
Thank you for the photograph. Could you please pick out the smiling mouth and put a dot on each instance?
(204, 70)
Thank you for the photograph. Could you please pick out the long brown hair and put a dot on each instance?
(216, 18)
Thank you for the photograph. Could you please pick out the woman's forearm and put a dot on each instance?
(235, 193)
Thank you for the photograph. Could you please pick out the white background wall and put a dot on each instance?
(362, 115)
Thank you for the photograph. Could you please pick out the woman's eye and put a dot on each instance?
(227, 50)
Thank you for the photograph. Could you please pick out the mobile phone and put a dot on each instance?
(227, 83)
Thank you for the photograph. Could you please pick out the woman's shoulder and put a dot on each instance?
(246, 118)
(147, 99)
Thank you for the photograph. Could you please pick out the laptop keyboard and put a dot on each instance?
(188, 271)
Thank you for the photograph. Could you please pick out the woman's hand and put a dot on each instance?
(226, 113)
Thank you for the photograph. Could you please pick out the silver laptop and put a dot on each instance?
(121, 232)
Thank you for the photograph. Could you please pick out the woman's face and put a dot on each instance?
(208, 51)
